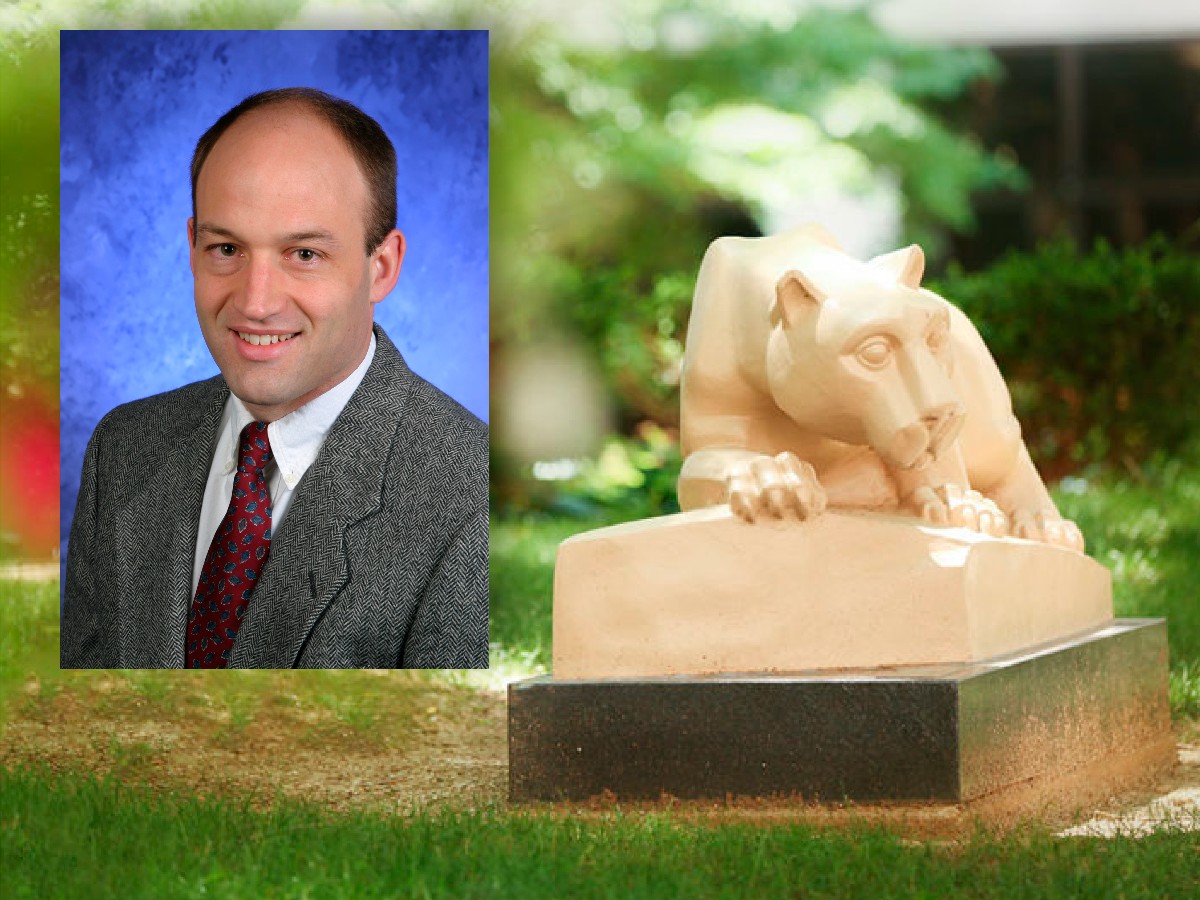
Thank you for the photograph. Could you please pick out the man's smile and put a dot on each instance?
(260, 347)
(260, 339)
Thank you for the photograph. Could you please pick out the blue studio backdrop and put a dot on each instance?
(133, 106)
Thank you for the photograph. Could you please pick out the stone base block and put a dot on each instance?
(1078, 715)
(702, 593)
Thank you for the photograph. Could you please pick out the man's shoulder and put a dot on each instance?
(428, 417)
(441, 444)
(177, 410)
(445, 420)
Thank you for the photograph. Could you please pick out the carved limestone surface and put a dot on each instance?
(813, 380)
(701, 593)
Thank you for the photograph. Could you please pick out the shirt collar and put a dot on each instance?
(297, 438)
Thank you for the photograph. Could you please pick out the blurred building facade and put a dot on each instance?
(1100, 105)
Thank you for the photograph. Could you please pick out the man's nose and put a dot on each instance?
(260, 293)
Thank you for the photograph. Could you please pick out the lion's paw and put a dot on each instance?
(952, 505)
(775, 487)
(1047, 527)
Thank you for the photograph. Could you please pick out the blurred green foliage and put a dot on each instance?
(1099, 347)
(29, 212)
(616, 162)
(630, 478)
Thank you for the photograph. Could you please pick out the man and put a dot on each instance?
(317, 504)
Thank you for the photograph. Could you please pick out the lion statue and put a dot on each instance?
(811, 378)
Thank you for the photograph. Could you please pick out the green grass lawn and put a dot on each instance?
(67, 833)
(28, 634)
(75, 836)
(1146, 529)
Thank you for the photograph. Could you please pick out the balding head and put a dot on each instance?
(362, 135)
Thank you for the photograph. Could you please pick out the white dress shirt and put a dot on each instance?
(296, 439)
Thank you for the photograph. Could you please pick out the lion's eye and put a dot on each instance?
(874, 353)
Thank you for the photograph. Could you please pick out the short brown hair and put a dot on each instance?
(368, 142)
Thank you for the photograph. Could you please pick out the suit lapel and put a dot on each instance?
(155, 553)
(308, 567)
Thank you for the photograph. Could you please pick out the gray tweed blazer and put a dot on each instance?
(381, 561)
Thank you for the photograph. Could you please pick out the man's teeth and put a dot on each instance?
(259, 339)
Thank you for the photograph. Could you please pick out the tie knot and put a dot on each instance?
(254, 448)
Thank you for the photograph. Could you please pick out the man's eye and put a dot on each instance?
(305, 255)
(226, 249)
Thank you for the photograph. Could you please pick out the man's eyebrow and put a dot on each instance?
(216, 230)
(316, 235)
(312, 235)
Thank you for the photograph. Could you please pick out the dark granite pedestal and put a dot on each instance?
(1081, 717)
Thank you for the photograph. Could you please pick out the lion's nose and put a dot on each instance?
(943, 424)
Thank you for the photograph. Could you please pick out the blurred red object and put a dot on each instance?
(29, 462)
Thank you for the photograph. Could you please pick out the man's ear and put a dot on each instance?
(385, 265)
(906, 266)
(192, 245)
(795, 294)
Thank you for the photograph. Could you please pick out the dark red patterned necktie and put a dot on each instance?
(235, 558)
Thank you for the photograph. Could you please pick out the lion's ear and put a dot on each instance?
(795, 294)
(906, 266)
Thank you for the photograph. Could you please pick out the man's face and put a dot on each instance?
(284, 290)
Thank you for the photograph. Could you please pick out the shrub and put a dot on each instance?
(630, 478)
(1100, 350)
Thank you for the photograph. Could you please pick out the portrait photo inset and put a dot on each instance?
(316, 503)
